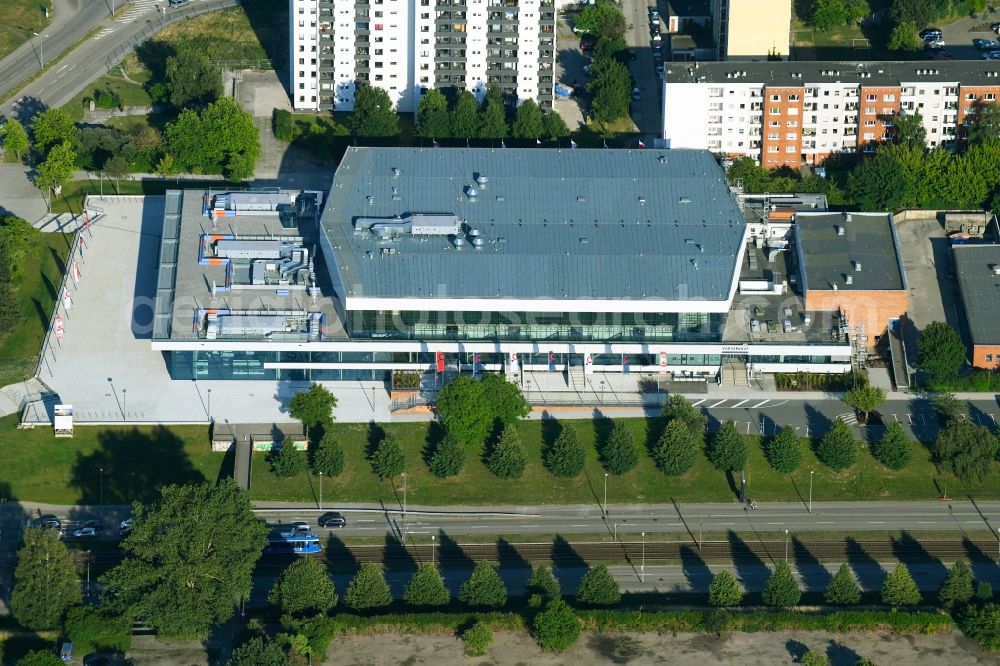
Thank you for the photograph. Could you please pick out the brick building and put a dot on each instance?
(978, 270)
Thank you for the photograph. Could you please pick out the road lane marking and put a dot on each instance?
(61, 68)
(876, 522)
(579, 525)
(364, 520)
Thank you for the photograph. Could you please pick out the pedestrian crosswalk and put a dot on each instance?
(850, 418)
(104, 33)
(137, 9)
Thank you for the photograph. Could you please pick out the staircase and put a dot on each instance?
(576, 378)
(734, 373)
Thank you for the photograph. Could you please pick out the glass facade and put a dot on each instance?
(532, 326)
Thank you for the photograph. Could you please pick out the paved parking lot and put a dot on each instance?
(958, 36)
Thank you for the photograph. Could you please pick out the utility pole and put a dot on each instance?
(404, 497)
(786, 546)
(432, 550)
(605, 494)
(102, 485)
(642, 568)
(811, 472)
(321, 491)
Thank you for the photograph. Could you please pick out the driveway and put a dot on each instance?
(645, 112)
(18, 195)
(958, 36)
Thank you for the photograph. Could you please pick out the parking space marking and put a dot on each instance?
(739, 403)
(716, 404)
(695, 404)
(759, 404)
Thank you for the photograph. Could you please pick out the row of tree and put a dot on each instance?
(465, 118)
(610, 86)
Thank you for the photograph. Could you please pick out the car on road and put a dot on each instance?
(992, 55)
(85, 533)
(930, 33)
(48, 521)
(986, 44)
(331, 520)
(93, 522)
(654, 16)
(636, 94)
(301, 527)
(178, 3)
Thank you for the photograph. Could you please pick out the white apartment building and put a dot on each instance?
(408, 46)
(787, 113)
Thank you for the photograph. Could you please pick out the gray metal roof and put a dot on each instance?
(573, 224)
(809, 72)
(980, 290)
(829, 258)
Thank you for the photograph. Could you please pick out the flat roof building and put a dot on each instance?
(978, 270)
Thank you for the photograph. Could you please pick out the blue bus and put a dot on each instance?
(293, 543)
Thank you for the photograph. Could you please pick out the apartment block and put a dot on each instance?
(751, 29)
(409, 46)
(789, 113)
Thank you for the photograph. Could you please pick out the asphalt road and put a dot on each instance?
(27, 59)
(90, 61)
(645, 112)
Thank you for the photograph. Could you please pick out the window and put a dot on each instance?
(774, 110)
(869, 110)
(789, 149)
(889, 98)
(775, 98)
(772, 149)
(793, 98)
(791, 136)
(869, 123)
(869, 136)
(871, 98)
(772, 135)
(989, 358)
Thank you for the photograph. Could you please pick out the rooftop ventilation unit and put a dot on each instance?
(857, 266)
(396, 172)
(849, 279)
(840, 230)
(848, 218)
(458, 242)
(471, 192)
(995, 269)
(482, 180)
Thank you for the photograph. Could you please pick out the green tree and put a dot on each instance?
(373, 115)
(432, 115)
(258, 651)
(598, 587)
(828, 14)
(465, 116)
(51, 128)
(946, 406)
(505, 399)
(674, 452)
(56, 170)
(612, 90)
(222, 137)
(982, 624)
(753, 177)
(470, 408)
(984, 591)
(188, 559)
(313, 407)
(91, 631)
(528, 123)
(986, 125)
(555, 126)
(542, 584)
(857, 10)
(304, 588)
(784, 450)
(894, 449)
(45, 580)
(727, 449)
(484, 588)
(865, 398)
(781, 588)
(448, 457)
(910, 129)
(285, 460)
(388, 460)
(618, 452)
(493, 123)
(602, 19)
(676, 406)
(904, 37)
(956, 589)
(899, 588)
(368, 589)
(837, 449)
(116, 168)
(557, 627)
(191, 79)
(724, 591)
(426, 588)
(611, 47)
(328, 458)
(876, 183)
(477, 639)
(15, 139)
(166, 166)
(940, 351)
(40, 658)
(507, 458)
(842, 589)
(566, 456)
(966, 448)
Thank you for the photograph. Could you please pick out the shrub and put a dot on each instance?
(984, 591)
(557, 627)
(426, 588)
(727, 450)
(304, 588)
(724, 591)
(484, 588)
(781, 588)
(282, 124)
(566, 457)
(448, 457)
(982, 624)
(837, 448)
(40, 658)
(814, 659)
(674, 452)
(843, 590)
(956, 587)
(899, 588)
(618, 453)
(598, 587)
(507, 459)
(91, 631)
(894, 449)
(258, 651)
(676, 407)
(388, 460)
(784, 450)
(368, 589)
(477, 639)
(329, 456)
(287, 461)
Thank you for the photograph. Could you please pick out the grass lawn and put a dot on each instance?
(43, 269)
(20, 19)
(129, 92)
(866, 480)
(136, 462)
(71, 199)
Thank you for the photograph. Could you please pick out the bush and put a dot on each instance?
(304, 588)
(388, 460)
(477, 639)
(899, 588)
(91, 631)
(724, 591)
(956, 588)
(894, 449)
(329, 456)
(837, 448)
(727, 450)
(287, 461)
(448, 457)
(598, 588)
(40, 658)
(984, 591)
(557, 627)
(566, 457)
(982, 624)
(281, 122)
(368, 589)
(781, 588)
(784, 450)
(618, 453)
(814, 659)
(484, 588)
(258, 651)
(843, 590)
(507, 459)
(674, 452)
(426, 588)
(543, 584)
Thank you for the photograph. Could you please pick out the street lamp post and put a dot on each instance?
(432, 550)
(41, 49)
(102, 485)
(642, 567)
(811, 472)
(209, 405)
(321, 491)
(616, 532)
(786, 546)
(88, 575)
(124, 391)
(605, 507)
(404, 496)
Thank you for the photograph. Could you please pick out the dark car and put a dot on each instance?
(49, 521)
(931, 33)
(331, 520)
(93, 522)
(986, 44)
